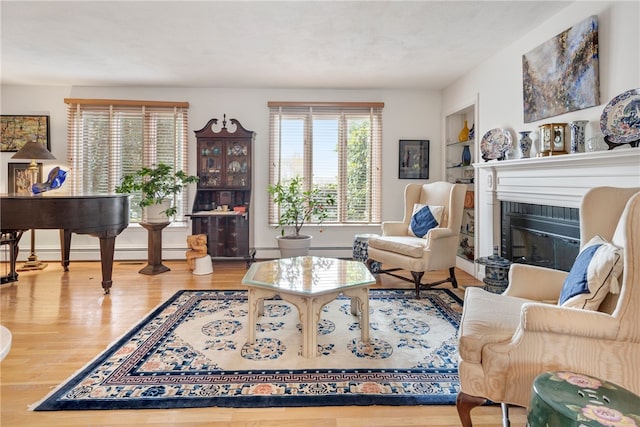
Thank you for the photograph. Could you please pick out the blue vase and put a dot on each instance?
(525, 143)
(466, 156)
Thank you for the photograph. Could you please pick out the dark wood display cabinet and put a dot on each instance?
(222, 203)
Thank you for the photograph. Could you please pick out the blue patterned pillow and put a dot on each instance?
(424, 218)
(593, 275)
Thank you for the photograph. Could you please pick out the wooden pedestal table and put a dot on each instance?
(309, 283)
(154, 248)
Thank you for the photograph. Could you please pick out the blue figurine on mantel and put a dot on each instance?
(55, 180)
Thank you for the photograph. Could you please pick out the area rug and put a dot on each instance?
(192, 352)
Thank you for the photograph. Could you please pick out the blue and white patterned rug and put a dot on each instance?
(192, 352)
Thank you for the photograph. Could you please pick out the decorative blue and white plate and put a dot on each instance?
(495, 143)
(620, 119)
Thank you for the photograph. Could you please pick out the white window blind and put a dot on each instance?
(110, 138)
(335, 147)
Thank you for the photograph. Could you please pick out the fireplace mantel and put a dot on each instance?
(560, 180)
(555, 181)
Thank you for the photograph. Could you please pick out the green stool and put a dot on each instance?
(568, 399)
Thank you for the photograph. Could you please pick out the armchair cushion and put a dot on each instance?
(404, 245)
(594, 274)
(424, 218)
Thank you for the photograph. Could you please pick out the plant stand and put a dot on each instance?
(154, 248)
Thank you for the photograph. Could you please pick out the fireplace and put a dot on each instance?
(547, 236)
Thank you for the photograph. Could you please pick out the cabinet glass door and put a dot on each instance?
(211, 157)
(238, 164)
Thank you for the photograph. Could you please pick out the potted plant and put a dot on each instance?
(157, 185)
(297, 207)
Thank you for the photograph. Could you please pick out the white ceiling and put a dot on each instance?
(258, 44)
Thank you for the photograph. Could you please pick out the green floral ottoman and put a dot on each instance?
(568, 399)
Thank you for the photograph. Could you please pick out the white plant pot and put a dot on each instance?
(155, 213)
(294, 246)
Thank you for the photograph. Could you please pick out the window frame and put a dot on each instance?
(114, 157)
(345, 111)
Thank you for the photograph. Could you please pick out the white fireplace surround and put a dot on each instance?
(555, 181)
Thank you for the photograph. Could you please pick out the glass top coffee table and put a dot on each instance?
(309, 283)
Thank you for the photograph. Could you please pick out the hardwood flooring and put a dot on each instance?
(60, 321)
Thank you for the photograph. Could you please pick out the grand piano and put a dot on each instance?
(100, 215)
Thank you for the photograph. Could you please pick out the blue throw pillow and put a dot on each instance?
(593, 276)
(576, 282)
(425, 218)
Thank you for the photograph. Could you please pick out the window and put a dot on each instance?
(334, 147)
(108, 139)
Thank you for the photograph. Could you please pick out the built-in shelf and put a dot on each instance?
(456, 172)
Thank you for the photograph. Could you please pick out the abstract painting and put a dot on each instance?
(561, 75)
(15, 131)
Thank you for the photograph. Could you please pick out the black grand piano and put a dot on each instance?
(100, 215)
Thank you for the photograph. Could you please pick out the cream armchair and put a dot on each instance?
(507, 340)
(437, 250)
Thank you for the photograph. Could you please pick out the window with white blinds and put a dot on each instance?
(110, 138)
(334, 147)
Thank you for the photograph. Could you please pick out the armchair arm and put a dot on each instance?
(535, 283)
(568, 321)
(394, 228)
(440, 233)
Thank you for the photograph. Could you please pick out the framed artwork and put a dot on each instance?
(18, 180)
(413, 160)
(15, 131)
(561, 75)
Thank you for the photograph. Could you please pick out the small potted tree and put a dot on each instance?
(297, 207)
(157, 186)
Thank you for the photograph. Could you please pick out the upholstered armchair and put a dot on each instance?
(427, 238)
(507, 340)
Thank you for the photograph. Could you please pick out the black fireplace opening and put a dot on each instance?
(546, 236)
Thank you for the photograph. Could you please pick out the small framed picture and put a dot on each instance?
(413, 161)
(19, 178)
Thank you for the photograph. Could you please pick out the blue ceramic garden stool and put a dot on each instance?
(361, 251)
(496, 272)
(562, 399)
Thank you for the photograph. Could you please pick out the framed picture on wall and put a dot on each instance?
(15, 131)
(18, 179)
(413, 160)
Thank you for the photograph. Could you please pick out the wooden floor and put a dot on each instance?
(60, 321)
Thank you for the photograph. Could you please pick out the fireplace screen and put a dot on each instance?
(547, 236)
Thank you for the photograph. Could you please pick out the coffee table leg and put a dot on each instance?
(360, 301)
(256, 309)
(251, 325)
(309, 319)
(364, 316)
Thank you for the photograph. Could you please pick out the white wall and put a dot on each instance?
(407, 115)
(498, 81)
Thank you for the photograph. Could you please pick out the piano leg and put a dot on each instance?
(65, 247)
(107, 248)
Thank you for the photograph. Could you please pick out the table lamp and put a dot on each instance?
(33, 151)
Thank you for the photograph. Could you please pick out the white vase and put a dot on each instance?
(155, 213)
(294, 246)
